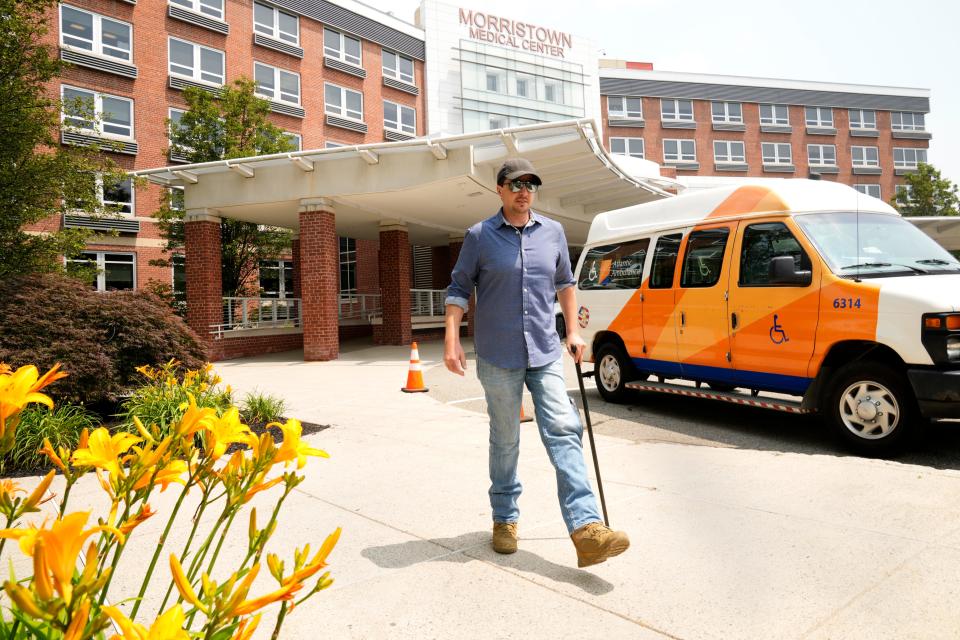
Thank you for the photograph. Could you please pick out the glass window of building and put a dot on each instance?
(776, 153)
(863, 119)
(627, 146)
(398, 117)
(906, 121)
(908, 157)
(676, 110)
(679, 151)
(868, 189)
(822, 155)
(493, 81)
(348, 265)
(551, 91)
(397, 66)
(276, 24)
(276, 279)
(903, 192)
(524, 85)
(116, 197)
(729, 151)
(296, 141)
(497, 122)
(277, 84)
(330, 144)
(727, 112)
(818, 116)
(195, 62)
(175, 196)
(775, 114)
(110, 271)
(113, 115)
(343, 102)
(212, 8)
(865, 156)
(95, 33)
(341, 46)
(624, 107)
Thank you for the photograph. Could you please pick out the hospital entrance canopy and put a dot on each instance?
(437, 186)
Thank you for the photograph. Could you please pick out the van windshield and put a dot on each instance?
(888, 245)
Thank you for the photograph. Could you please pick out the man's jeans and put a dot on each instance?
(560, 431)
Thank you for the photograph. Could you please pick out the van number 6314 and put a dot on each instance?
(846, 303)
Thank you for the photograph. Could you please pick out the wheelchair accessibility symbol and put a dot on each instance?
(777, 334)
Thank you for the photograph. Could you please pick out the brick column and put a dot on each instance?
(456, 243)
(319, 273)
(440, 263)
(203, 265)
(394, 284)
(295, 259)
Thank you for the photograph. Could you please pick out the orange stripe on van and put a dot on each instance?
(841, 318)
(751, 199)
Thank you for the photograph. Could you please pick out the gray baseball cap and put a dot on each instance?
(514, 168)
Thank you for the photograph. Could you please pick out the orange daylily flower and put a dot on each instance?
(103, 450)
(171, 473)
(247, 627)
(183, 584)
(226, 430)
(168, 626)
(263, 486)
(293, 448)
(194, 418)
(23, 387)
(286, 592)
(132, 523)
(319, 561)
(79, 622)
(53, 456)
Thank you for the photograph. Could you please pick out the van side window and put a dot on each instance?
(703, 261)
(762, 243)
(665, 261)
(614, 266)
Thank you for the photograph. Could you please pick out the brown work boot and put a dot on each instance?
(505, 537)
(595, 542)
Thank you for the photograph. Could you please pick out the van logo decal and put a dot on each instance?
(583, 317)
(777, 334)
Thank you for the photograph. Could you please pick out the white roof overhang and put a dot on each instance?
(437, 185)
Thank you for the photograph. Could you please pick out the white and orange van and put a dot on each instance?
(797, 295)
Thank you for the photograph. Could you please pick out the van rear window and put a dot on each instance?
(614, 266)
(665, 261)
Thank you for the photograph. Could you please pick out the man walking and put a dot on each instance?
(518, 261)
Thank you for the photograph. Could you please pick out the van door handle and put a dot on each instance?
(733, 320)
(683, 319)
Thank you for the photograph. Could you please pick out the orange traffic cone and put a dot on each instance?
(524, 418)
(415, 375)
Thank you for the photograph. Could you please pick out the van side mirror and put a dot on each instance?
(783, 270)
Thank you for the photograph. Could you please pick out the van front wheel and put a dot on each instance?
(613, 371)
(871, 407)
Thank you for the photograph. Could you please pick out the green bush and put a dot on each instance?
(262, 408)
(100, 339)
(62, 426)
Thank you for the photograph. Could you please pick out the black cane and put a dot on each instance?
(593, 447)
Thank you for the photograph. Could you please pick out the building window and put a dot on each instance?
(277, 84)
(330, 144)
(863, 119)
(397, 66)
(398, 117)
(175, 195)
(341, 46)
(277, 24)
(865, 156)
(679, 151)
(551, 91)
(524, 85)
(95, 33)
(343, 102)
(774, 114)
(819, 117)
(497, 122)
(908, 158)
(296, 141)
(676, 110)
(114, 271)
(493, 81)
(276, 279)
(348, 265)
(776, 153)
(196, 62)
(822, 155)
(623, 107)
(868, 189)
(212, 8)
(627, 146)
(903, 192)
(906, 121)
(728, 151)
(117, 196)
(727, 112)
(179, 281)
(112, 114)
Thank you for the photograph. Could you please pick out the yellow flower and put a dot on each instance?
(245, 632)
(173, 472)
(319, 561)
(79, 622)
(194, 418)
(168, 626)
(292, 448)
(226, 430)
(17, 390)
(103, 450)
(53, 456)
(183, 584)
(286, 592)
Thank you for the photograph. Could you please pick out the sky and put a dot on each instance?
(896, 43)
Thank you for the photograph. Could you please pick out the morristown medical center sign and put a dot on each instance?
(488, 27)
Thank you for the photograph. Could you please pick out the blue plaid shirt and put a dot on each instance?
(516, 273)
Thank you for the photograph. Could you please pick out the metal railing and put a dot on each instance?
(259, 313)
(359, 306)
(427, 302)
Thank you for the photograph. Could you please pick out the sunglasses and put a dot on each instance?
(516, 185)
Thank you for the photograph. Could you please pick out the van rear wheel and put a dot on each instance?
(871, 408)
(613, 371)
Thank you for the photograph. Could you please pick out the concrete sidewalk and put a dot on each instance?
(727, 543)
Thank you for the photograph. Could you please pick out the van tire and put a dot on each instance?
(613, 370)
(871, 407)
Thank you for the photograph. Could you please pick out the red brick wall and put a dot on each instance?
(319, 272)
(440, 262)
(394, 288)
(228, 348)
(204, 287)
(368, 266)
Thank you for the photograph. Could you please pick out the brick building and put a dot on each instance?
(711, 125)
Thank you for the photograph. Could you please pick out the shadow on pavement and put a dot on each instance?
(476, 546)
